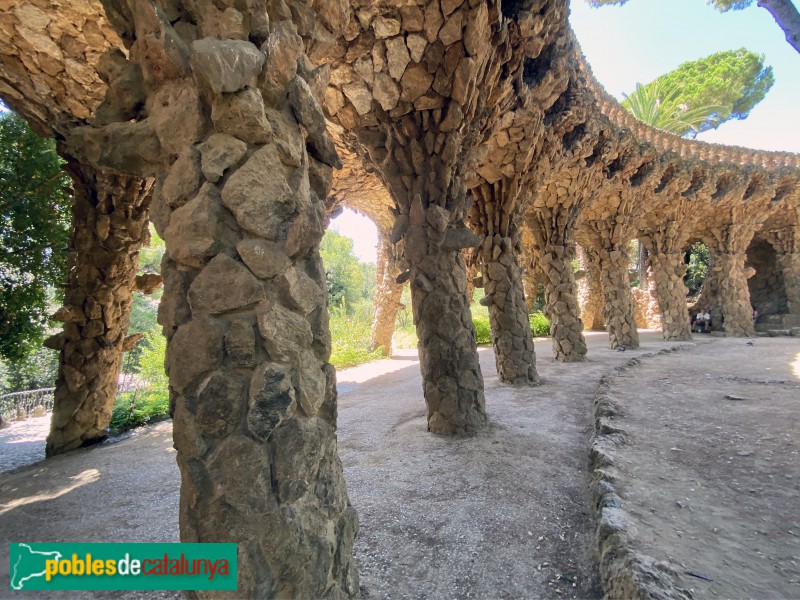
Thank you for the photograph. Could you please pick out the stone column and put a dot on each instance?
(611, 237)
(109, 225)
(665, 253)
(789, 264)
(451, 373)
(508, 315)
(786, 242)
(729, 245)
(387, 298)
(239, 129)
(590, 290)
(552, 234)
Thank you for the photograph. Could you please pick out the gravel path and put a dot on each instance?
(22, 442)
(504, 514)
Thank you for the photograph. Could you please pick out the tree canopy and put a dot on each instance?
(34, 234)
(346, 277)
(702, 94)
(784, 12)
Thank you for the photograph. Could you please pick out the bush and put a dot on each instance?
(483, 331)
(139, 407)
(540, 325)
(350, 335)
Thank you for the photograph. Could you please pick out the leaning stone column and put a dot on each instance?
(244, 306)
(665, 254)
(789, 264)
(729, 245)
(109, 225)
(552, 229)
(611, 237)
(508, 314)
(451, 373)
(786, 242)
(590, 289)
(387, 298)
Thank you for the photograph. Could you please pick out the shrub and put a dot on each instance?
(540, 325)
(139, 407)
(350, 335)
(483, 331)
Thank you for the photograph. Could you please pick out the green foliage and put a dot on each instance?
(34, 234)
(483, 330)
(139, 407)
(697, 268)
(150, 256)
(350, 335)
(38, 370)
(150, 401)
(540, 324)
(702, 94)
(346, 276)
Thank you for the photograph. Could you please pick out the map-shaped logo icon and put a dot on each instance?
(27, 564)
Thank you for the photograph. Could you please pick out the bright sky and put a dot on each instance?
(643, 39)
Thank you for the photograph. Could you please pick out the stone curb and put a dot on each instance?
(624, 572)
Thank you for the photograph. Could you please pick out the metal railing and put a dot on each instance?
(22, 404)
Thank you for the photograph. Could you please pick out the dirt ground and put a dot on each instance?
(711, 472)
(502, 515)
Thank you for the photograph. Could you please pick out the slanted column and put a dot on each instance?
(664, 247)
(590, 289)
(612, 238)
(552, 230)
(508, 314)
(786, 242)
(789, 264)
(729, 245)
(109, 226)
(244, 306)
(387, 298)
(451, 374)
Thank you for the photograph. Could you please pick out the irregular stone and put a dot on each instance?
(385, 27)
(271, 398)
(415, 82)
(177, 114)
(183, 179)
(242, 116)
(222, 286)
(195, 229)
(265, 259)
(305, 107)
(219, 403)
(397, 57)
(416, 46)
(285, 333)
(220, 152)
(282, 49)
(300, 291)
(386, 91)
(260, 204)
(226, 65)
(195, 348)
(359, 95)
(240, 344)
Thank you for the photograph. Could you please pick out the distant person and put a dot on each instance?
(755, 315)
(707, 321)
(698, 322)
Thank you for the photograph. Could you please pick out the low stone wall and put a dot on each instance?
(624, 572)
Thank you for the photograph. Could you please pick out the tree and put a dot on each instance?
(702, 94)
(784, 12)
(345, 276)
(34, 234)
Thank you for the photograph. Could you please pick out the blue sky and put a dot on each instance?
(643, 39)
